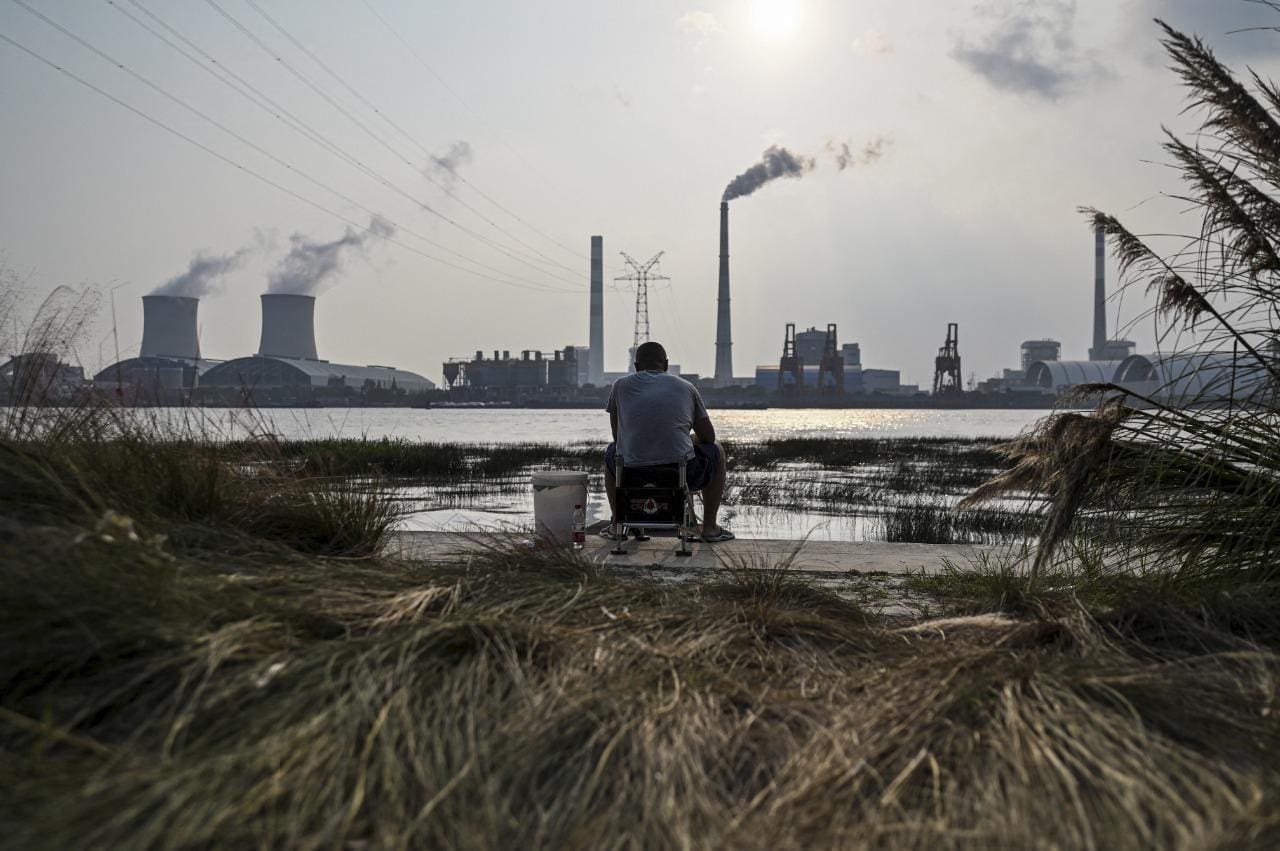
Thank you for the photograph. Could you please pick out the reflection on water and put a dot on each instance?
(489, 425)
(790, 502)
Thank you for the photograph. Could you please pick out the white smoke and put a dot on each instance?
(309, 265)
(202, 275)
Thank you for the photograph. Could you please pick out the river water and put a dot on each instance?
(559, 426)
(510, 510)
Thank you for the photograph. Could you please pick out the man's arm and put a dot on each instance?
(702, 427)
(612, 407)
(704, 430)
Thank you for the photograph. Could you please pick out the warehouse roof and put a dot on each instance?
(1052, 374)
(266, 370)
(1195, 376)
(132, 366)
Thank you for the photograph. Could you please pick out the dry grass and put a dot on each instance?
(530, 700)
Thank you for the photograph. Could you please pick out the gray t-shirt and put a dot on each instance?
(655, 412)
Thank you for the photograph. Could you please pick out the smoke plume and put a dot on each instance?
(309, 265)
(775, 162)
(202, 274)
(845, 155)
(446, 165)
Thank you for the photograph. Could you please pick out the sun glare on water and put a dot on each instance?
(775, 19)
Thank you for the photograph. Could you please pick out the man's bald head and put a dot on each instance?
(651, 356)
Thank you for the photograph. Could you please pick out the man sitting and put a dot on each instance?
(651, 414)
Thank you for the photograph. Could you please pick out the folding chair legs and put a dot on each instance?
(686, 528)
(618, 532)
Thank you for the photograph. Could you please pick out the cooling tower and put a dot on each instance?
(288, 326)
(1099, 294)
(724, 335)
(595, 350)
(169, 326)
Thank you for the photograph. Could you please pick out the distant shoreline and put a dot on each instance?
(712, 404)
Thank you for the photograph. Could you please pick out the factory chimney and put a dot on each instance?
(724, 335)
(1099, 350)
(169, 326)
(595, 351)
(288, 326)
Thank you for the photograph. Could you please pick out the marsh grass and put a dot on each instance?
(906, 481)
(186, 662)
(92, 460)
(162, 699)
(399, 457)
(843, 453)
(939, 522)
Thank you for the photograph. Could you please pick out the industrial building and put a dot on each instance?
(1039, 350)
(287, 367)
(506, 378)
(1197, 378)
(1059, 376)
(814, 361)
(168, 365)
(1171, 379)
(1042, 369)
(39, 378)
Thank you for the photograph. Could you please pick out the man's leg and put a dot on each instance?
(712, 494)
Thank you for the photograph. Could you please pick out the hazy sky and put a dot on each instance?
(974, 131)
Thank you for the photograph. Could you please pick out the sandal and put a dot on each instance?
(722, 534)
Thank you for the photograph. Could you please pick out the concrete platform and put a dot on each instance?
(812, 556)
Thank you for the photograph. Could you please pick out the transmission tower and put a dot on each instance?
(641, 275)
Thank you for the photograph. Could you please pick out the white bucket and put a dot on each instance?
(555, 493)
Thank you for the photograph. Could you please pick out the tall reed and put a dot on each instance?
(1181, 473)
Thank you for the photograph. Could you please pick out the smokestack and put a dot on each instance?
(724, 336)
(169, 326)
(288, 326)
(1099, 294)
(595, 362)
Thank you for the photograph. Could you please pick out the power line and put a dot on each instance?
(279, 112)
(370, 105)
(248, 143)
(241, 86)
(256, 175)
(242, 28)
(445, 85)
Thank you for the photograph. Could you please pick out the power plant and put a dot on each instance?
(814, 367)
(168, 364)
(286, 369)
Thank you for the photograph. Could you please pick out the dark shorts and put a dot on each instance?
(698, 471)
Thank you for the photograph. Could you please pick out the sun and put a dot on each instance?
(776, 19)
